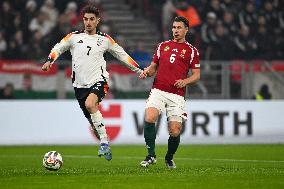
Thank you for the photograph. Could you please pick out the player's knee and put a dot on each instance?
(90, 106)
(151, 115)
(150, 118)
(175, 132)
(175, 125)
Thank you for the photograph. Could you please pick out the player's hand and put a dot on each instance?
(180, 83)
(144, 74)
(46, 66)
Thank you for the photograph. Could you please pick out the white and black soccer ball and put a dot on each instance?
(52, 160)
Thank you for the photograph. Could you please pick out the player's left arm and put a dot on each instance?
(119, 53)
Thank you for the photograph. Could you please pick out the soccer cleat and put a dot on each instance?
(148, 161)
(105, 151)
(170, 164)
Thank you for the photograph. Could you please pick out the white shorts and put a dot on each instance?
(172, 104)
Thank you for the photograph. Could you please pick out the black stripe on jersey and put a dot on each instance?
(77, 32)
(101, 33)
(73, 77)
(102, 74)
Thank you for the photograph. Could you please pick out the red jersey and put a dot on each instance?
(174, 61)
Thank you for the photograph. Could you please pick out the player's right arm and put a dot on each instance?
(56, 51)
(150, 70)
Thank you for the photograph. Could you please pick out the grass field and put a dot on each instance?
(198, 166)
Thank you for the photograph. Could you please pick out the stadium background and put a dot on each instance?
(239, 99)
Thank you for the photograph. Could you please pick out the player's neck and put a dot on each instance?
(91, 32)
(179, 40)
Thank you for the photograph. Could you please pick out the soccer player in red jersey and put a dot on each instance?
(171, 62)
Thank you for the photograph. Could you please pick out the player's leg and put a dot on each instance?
(104, 150)
(151, 116)
(92, 104)
(87, 115)
(97, 93)
(94, 128)
(153, 108)
(89, 105)
(174, 127)
(176, 114)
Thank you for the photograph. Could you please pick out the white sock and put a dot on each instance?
(97, 120)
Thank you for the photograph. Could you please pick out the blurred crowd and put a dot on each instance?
(220, 29)
(230, 29)
(29, 28)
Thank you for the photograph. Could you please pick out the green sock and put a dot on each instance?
(150, 137)
(173, 143)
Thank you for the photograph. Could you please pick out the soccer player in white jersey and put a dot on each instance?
(89, 75)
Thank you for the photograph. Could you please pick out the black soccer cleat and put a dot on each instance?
(149, 160)
(170, 164)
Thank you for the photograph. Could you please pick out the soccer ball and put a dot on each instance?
(52, 161)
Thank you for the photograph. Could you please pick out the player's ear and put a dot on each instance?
(186, 30)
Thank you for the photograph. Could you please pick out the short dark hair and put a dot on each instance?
(90, 9)
(182, 19)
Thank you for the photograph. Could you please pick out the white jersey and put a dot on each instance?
(88, 63)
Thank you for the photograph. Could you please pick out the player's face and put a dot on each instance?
(179, 31)
(90, 22)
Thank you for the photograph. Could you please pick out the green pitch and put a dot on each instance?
(198, 166)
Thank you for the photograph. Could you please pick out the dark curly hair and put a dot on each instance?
(90, 8)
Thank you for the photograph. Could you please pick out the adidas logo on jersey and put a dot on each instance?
(81, 41)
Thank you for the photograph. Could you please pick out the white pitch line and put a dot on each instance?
(139, 158)
(237, 160)
(185, 158)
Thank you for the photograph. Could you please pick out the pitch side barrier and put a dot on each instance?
(209, 122)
